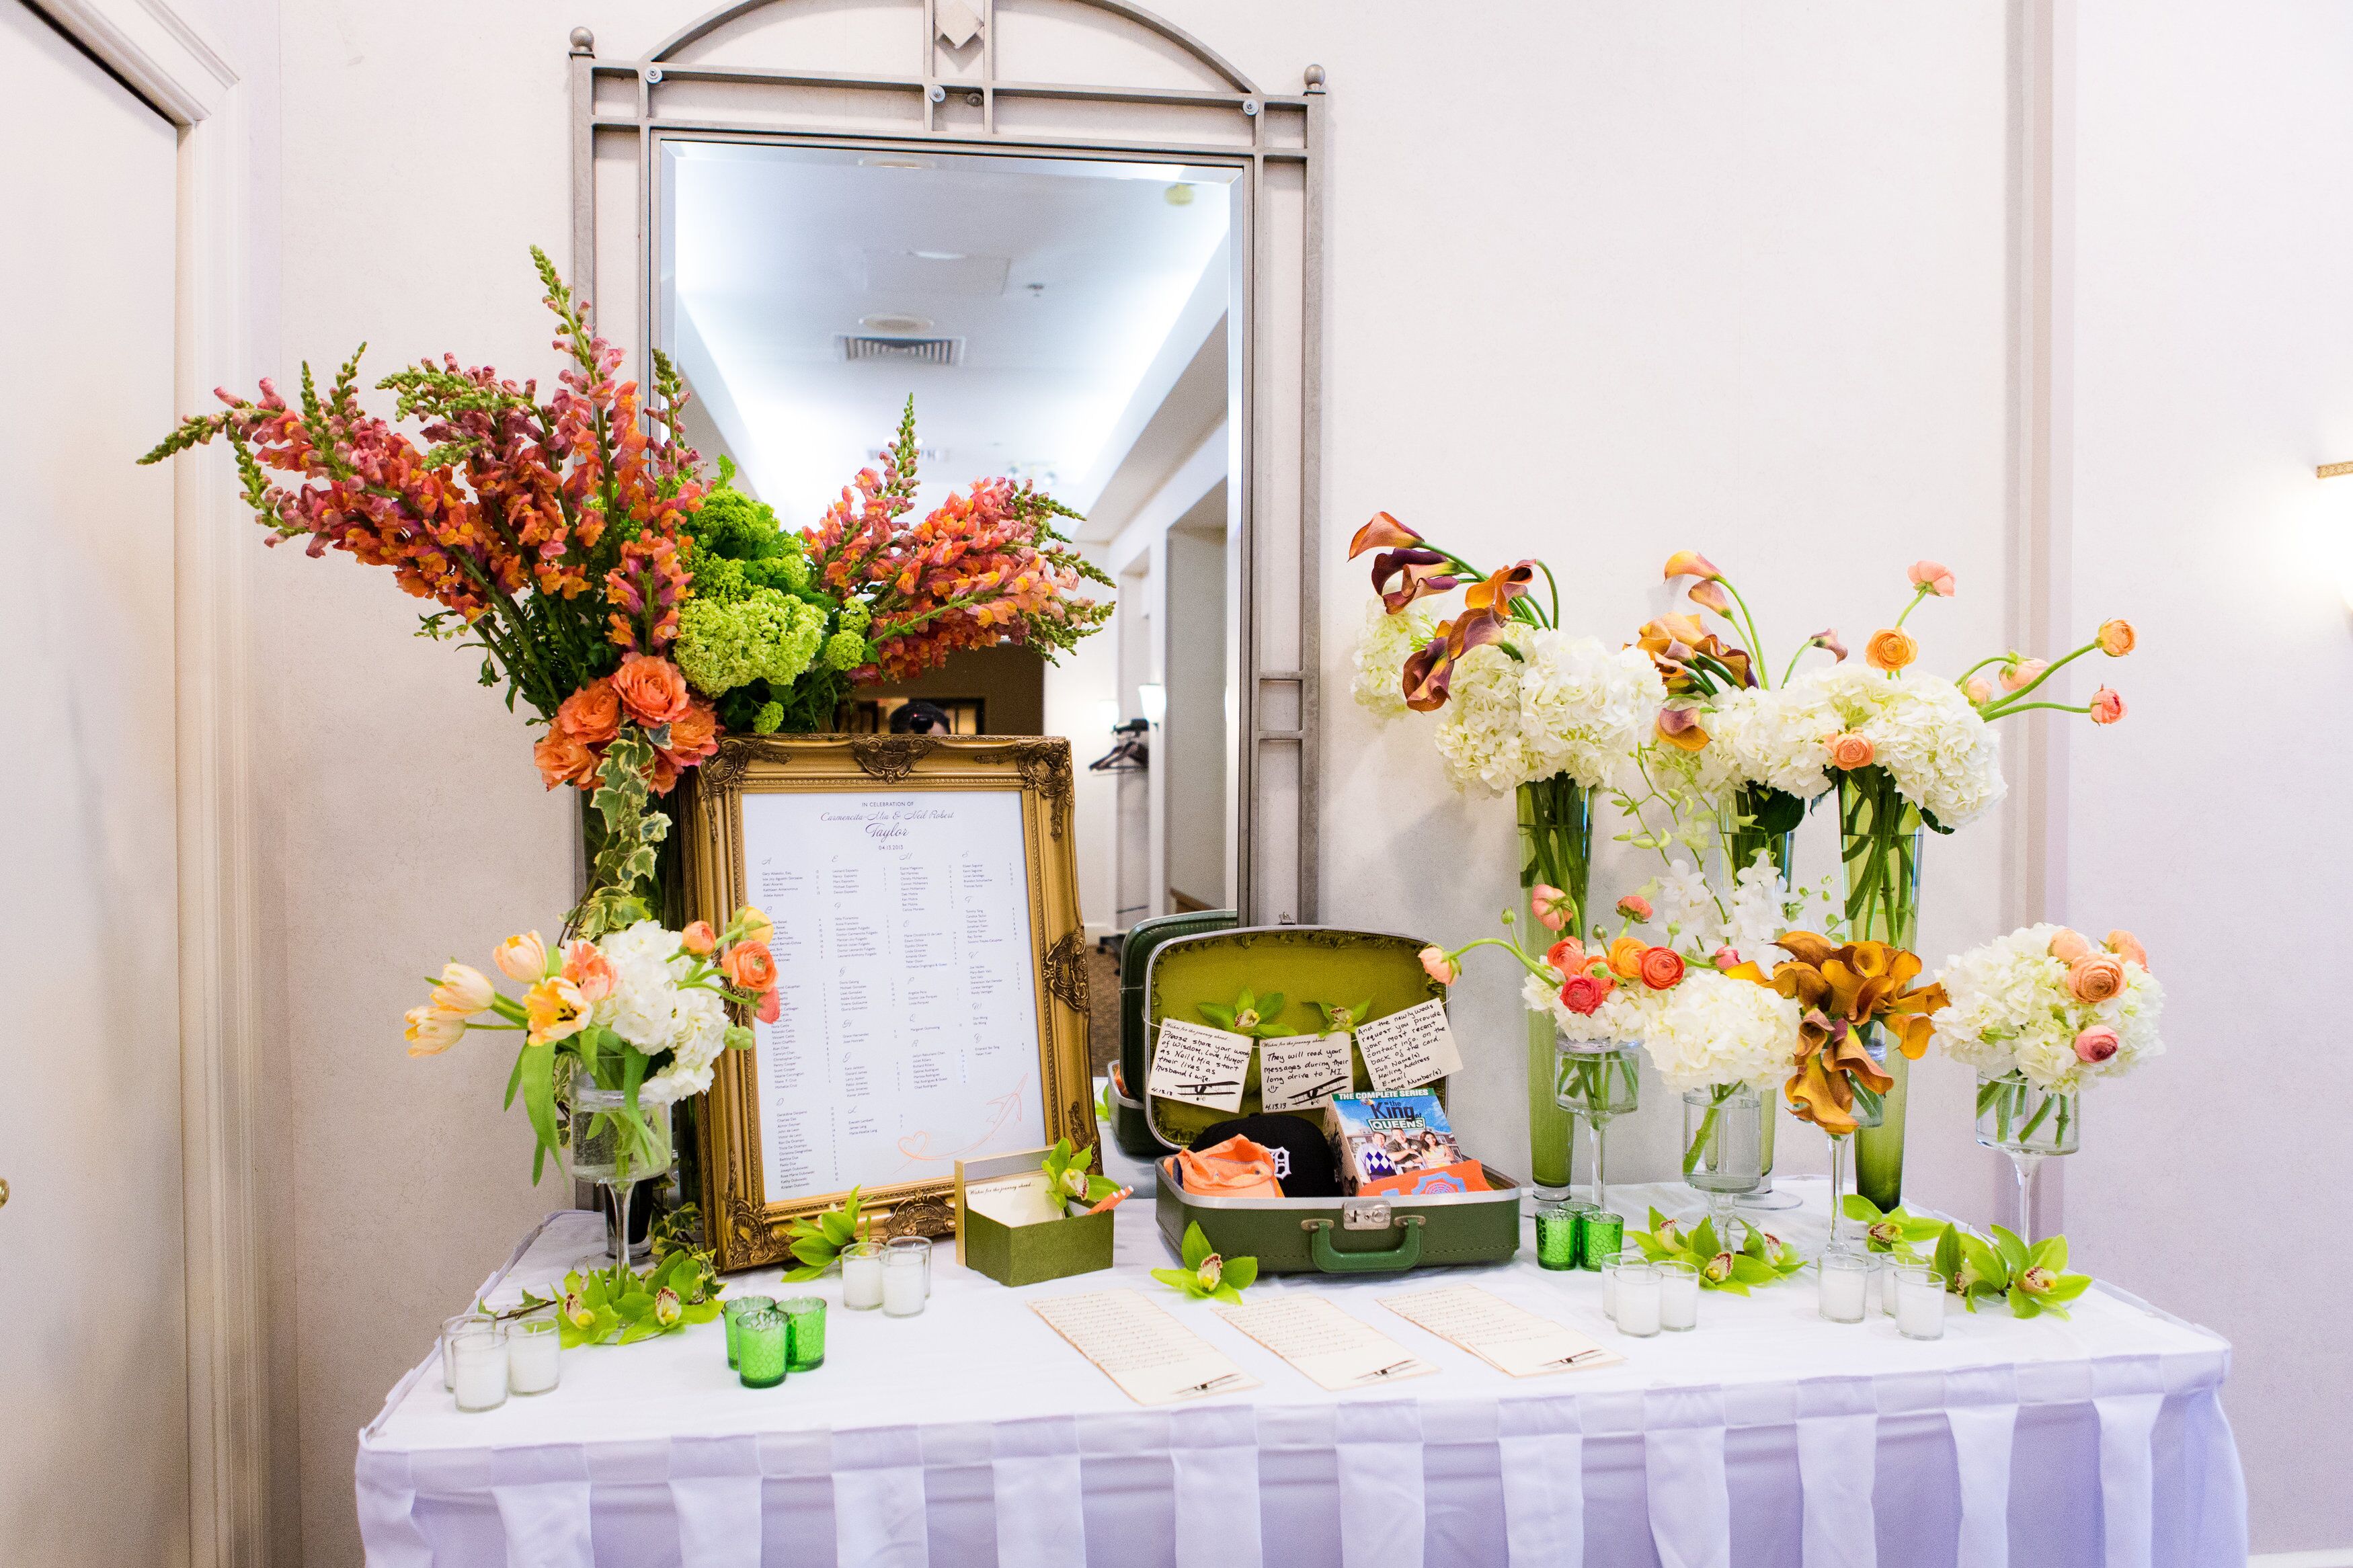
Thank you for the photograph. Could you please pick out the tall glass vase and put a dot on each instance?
(1599, 1083)
(617, 1149)
(1556, 850)
(1741, 839)
(2028, 1123)
(1882, 837)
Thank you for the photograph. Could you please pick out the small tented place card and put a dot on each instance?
(1299, 1072)
(1508, 1338)
(1154, 1359)
(1200, 1065)
(1315, 1335)
(1407, 1049)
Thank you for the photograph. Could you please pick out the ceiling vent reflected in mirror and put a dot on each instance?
(906, 350)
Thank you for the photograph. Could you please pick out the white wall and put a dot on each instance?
(2213, 349)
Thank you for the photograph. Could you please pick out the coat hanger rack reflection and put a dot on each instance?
(1133, 755)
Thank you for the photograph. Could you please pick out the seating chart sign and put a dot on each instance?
(906, 1037)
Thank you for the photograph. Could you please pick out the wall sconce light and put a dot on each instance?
(1153, 697)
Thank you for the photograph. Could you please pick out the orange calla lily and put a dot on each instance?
(1679, 727)
(1382, 533)
(1429, 670)
(1691, 563)
(1847, 989)
(1678, 645)
(1500, 588)
(1419, 572)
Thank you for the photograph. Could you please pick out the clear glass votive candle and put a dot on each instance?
(736, 1307)
(1603, 1234)
(916, 1244)
(534, 1351)
(762, 1347)
(1845, 1282)
(1678, 1295)
(862, 1276)
(1638, 1300)
(1882, 1282)
(1919, 1303)
(479, 1351)
(906, 1268)
(450, 1362)
(1558, 1231)
(804, 1316)
(1609, 1267)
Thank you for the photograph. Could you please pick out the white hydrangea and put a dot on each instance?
(2010, 1009)
(1777, 737)
(643, 1008)
(701, 1033)
(1382, 649)
(1945, 758)
(1573, 707)
(1618, 1021)
(1714, 1030)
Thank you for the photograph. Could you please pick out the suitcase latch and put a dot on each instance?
(1364, 1213)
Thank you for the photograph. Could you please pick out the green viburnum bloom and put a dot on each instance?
(855, 616)
(770, 716)
(845, 650)
(765, 635)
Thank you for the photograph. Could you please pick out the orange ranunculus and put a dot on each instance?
(1553, 908)
(555, 1011)
(2018, 673)
(2116, 638)
(2067, 947)
(1662, 968)
(1691, 563)
(1978, 691)
(693, 735)
(1439, 966)
(562, 760)
(522, 957)
(591, 715)
(2106, 706)
(1890, 650)
(699, 939)
(755, 925)
(1626, 956)
(2126, 946)
(748, 966)
(2095, 977)
(1933, 575)
(1583, 994)
(590, 971)
(1849, 751)
(1634, 907)
(652, 690)
(1567, 957)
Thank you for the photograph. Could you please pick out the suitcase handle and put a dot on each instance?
(1404, 1255)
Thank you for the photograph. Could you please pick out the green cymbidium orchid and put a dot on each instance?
(1072, 1182)
(1761, 1260)
(2031, 1278)
(1206, 1276)
(1250, 1015)
(1339, 1020)
(1893, 1231)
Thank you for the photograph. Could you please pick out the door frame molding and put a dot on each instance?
(191, 78)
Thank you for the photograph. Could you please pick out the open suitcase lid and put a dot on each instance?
(1307, 965)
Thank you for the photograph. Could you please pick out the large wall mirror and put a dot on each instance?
(1087, 248)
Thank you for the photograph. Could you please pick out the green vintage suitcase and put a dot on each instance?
(1131, 1128)
(1388, 1233)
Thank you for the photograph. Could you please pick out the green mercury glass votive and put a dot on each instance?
(762, 1336)
(1604, 1236)
(1557, 1229)
(806, 1314)
(737, 1306)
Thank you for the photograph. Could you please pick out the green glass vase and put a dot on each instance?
(1556, 850)
(1882, 837)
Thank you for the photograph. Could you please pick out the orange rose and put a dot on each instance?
(2095, 977)
(2116, 638)
(1849, 751)
(749, 967)
(693, 735)
(2067, 947)
(591, 715)
(1662, 968)
(1626, 956)
(590, 971)
(1890, 650)
(562, 760)
(651, 690)
(2127, 947)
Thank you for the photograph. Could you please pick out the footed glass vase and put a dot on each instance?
(616, 1148)
(1850, 1235)
(2028, 1123)
(1882, 836)
(1721, 1158)
(1556, 850)
(1748, 834)
(1600, 1084)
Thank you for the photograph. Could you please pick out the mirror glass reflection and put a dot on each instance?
(1063, 322)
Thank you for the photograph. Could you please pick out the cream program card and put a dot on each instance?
(1315, 1335)
(1200, 1065)
(1508, 1338)
(1407, 1049)
(1154, 1359)
(1298, 1072)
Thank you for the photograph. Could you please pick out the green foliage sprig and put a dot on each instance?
(1076, 1187)
(817, 1243)
(1761, 1260)
(1206, 1276)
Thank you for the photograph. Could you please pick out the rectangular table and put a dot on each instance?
(974, 1435)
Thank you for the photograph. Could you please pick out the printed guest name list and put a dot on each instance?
(907, 1032)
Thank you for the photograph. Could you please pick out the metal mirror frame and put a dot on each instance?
(629, 107)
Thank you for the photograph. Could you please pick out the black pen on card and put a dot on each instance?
(1213, 1382)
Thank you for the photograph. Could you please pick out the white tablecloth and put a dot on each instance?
(973, 1435)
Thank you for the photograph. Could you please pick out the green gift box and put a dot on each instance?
(1045, 1247)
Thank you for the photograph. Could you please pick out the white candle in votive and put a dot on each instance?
(903, 1289)
(1920, 1310)
(1609, 1294)
(861, 1282)
(1842, 1293)
(481, 1371)
(1678, 1301)
(1638, 1307)
(532, 1358)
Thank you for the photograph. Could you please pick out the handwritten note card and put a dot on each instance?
(1200, 1065)
(1154, 1359)
(1509, 1339)
(1315, 1335)
(1407, 1049)
(1298, 1072)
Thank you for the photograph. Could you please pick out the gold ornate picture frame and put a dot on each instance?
(878, 780)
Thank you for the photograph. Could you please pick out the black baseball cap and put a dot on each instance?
(1303, 1159)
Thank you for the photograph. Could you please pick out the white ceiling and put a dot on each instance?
(1063, 277)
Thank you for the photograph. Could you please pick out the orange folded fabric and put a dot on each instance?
(1236, 1168)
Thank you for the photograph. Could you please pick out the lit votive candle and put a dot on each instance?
(535, 1348)
(1920, 1304)
(805, 1317)
(479, 1350)
(1638, 1300)
(1678, 1296)
(1846, 1276)
(862, 1276)
(903, 1269)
